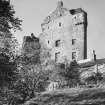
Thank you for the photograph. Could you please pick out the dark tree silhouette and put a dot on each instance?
(8, 21)
(7, 17)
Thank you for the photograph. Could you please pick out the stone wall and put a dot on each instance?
(79, 33)
(64, 32)
(31, 48)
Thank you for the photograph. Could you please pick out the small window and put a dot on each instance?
(48, 41)
(48, 53)
(57, 55)
(78, 23)
(43, 29)
(73, 41)
(57, 43)
(73, 55)
(60, 24)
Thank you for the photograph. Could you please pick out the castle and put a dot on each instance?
(64, 33)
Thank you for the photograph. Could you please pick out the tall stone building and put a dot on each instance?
(64, 33)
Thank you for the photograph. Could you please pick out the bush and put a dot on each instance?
(68, 74)
(71, 74)
(30, 81)
(94, 79)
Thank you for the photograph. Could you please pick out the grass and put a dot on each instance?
(73, 96)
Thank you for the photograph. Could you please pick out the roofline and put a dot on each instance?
(78, 10)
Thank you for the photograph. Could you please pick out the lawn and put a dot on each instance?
(73, 96)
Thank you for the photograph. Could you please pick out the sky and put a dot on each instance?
(33, 12)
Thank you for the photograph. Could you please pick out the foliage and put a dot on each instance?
(71, 71)
(31, 80)
(8, 21)
(97, 77)
(68, 73)
(8, 71)
(8, 76)
(7, 17)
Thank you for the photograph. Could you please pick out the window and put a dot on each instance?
(75, 17)
(43, 28)
(60, 24)
(48, 53)
(79, 23)
(48, 41)
(73, 41)
(57, 55)
(73, 55)
(57, 43)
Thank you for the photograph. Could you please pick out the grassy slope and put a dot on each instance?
(89, 96)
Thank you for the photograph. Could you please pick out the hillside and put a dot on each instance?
(87, 96)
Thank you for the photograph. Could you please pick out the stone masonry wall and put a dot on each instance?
(64, 32)
(31, 48)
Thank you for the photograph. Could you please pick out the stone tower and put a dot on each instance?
(64, 32)
(31, 48)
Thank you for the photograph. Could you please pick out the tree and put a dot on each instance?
(31, 80)
(94, 79)
(8, 22)
(7, 17)
(70, 73)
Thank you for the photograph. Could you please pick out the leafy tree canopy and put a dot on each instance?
(7, 17)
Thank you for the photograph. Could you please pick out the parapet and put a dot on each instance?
(30, 38)
(75, 11)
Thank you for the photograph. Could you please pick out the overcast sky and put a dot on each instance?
(32, 12)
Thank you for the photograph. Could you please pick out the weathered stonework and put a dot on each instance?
(31, 48)
(64, 32)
